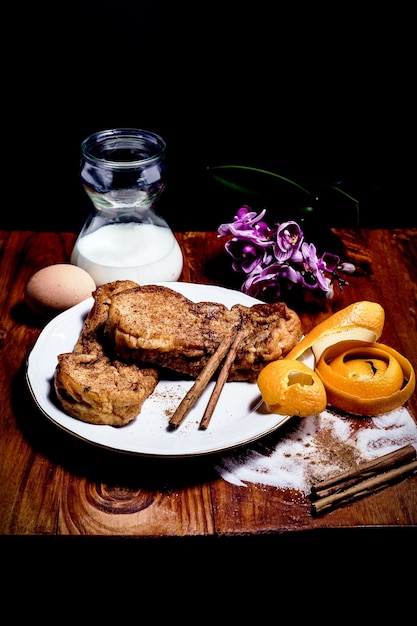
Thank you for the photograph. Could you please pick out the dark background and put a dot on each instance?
(318, 95)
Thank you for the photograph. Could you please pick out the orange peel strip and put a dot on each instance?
(360, 320)
(369, 379)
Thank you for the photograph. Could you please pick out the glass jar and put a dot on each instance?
(124, 238)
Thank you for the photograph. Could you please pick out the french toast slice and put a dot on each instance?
(91, 339)
(90, 383)
(98, 390)
(156, 326)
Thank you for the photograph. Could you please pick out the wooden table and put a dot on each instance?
(52, 484)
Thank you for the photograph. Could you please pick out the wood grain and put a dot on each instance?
(53, 484)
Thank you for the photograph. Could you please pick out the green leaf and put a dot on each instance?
(285, 198)
(255, 170)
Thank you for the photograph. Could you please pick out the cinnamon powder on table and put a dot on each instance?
(314, 448)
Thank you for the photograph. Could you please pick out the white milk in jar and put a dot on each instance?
(144, 253)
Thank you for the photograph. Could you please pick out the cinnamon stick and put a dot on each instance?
(346, 479)
(364, 488)
(223, 376)
(202, 380)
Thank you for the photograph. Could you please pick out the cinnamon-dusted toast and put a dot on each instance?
(90, 383)
(99, 390)
(91, 339)
(156, 326)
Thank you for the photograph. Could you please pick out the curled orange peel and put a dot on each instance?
(358, 375)
(362, 321)
(365, 379)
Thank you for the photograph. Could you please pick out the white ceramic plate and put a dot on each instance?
(239, 417)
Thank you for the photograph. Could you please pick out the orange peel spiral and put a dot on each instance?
(366, 379)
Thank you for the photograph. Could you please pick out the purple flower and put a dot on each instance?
(246, 255)
(276, 259)
(313, 268)
(289, 238)
(248, 225)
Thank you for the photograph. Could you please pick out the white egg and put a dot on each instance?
(55, 288)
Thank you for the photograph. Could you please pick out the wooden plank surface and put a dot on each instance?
(54, 484)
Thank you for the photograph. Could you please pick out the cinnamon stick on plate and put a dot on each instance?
(223, 376)
(366, 479)
(202, 380)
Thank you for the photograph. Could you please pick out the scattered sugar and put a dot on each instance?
(318, 447)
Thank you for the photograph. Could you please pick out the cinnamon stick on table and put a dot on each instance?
(344, 480)
(368, 478)
(202, 380)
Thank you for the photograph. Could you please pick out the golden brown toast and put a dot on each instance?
(90, 383)
(157, 326)
(91, 339)
(97, 390)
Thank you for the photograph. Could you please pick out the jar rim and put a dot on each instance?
(101, 147)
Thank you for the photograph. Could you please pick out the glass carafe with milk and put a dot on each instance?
(123, 238)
